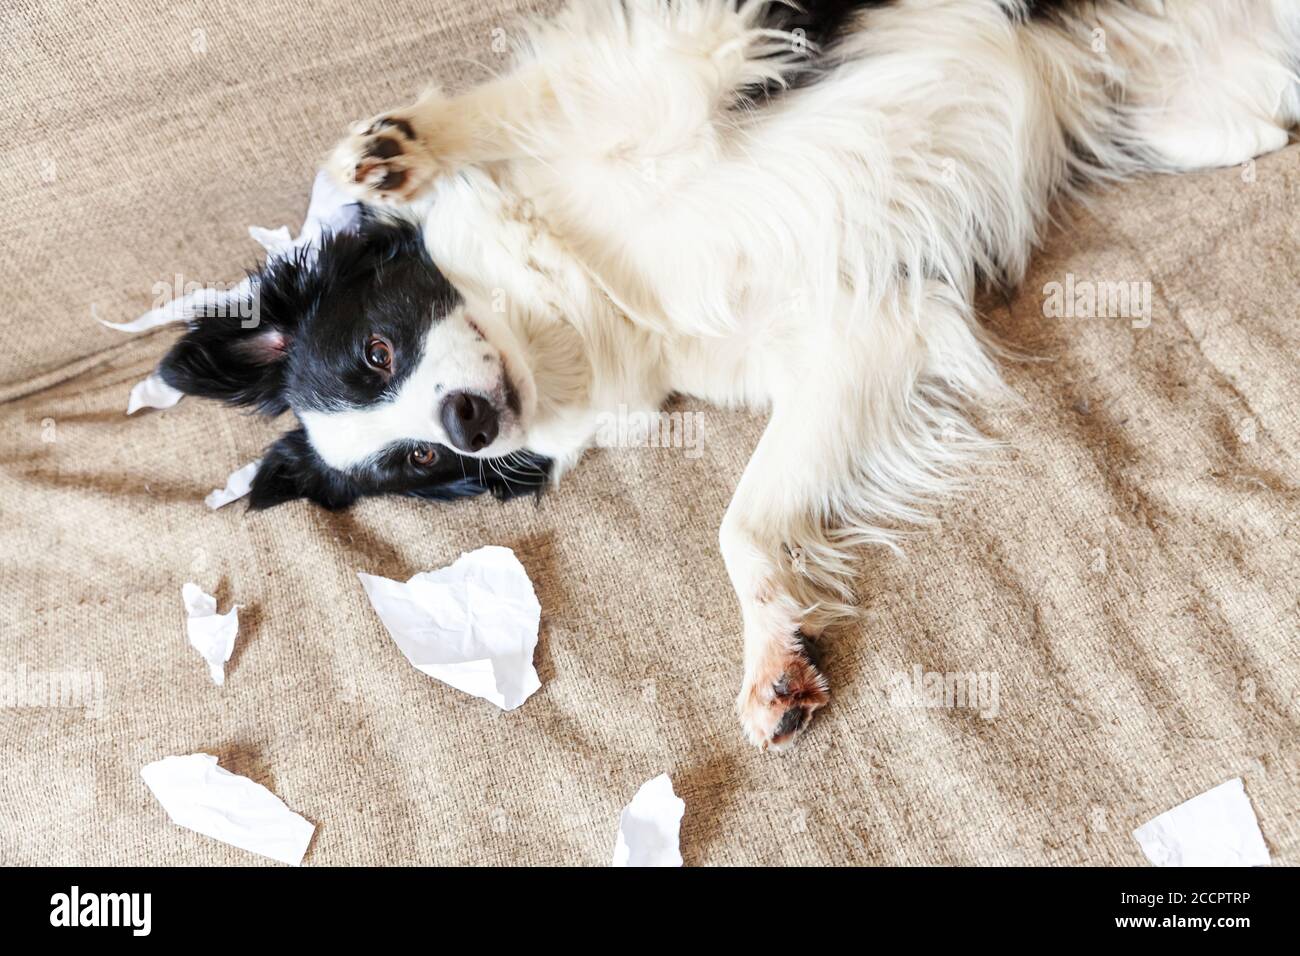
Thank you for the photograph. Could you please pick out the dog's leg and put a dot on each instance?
(611, 101)
(782, 685)
(394, 157)
(865, 431)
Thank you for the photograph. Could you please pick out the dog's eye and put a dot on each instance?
(379, 353)
(423, 456)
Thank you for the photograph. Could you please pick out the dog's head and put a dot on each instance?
(397, 387)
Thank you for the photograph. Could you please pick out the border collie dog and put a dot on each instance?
(738, 200)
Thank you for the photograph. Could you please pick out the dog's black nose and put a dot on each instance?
(470, 421)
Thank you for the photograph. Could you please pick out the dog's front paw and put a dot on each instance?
(385, 160)
(779, 698)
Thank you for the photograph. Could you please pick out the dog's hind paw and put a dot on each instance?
(778, 701)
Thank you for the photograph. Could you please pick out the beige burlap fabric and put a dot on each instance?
(1130, 582)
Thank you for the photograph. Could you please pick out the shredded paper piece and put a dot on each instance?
(472, 625)
(152, 392)
(237, 486)
(1218, 828)
(274, 241)
(201, 796)
(650, 826)
(187, 306)
(211, 634)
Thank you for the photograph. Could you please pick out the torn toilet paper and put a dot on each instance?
(152, 392)
(211, 634)
(472, 625)
(238, 485)
(1218, 828)
(200, 301)
(649, 827)
(201, 796)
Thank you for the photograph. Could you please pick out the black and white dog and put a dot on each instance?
(739, 201)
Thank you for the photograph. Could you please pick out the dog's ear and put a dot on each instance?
(291, 469)
(236, 350)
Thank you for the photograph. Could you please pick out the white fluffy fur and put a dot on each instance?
(625, 223)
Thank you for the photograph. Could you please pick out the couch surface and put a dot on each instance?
(1128, 573)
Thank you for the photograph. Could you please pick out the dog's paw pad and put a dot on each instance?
(778, 703)
(395, 123)
(382, 147)
(380, 178)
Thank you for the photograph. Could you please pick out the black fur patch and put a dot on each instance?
(1046, 9)
(291, 469)
(302, 344)
(820, 22)
(816, 25)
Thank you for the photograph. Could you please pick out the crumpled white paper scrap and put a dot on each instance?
(649, 829)
(186, 307)
(330, 209)
(211, 634)
(274, 241)
(1217, 828)
(238, 485)
(152, 392)
(472, 625)
(201, 796)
